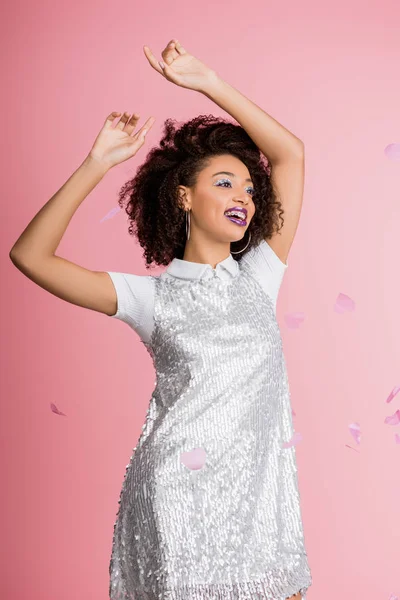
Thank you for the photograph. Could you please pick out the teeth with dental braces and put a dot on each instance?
(235, 213)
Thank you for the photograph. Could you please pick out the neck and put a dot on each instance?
(210, 253)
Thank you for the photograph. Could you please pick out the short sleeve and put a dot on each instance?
(135, 302)
(267, 267)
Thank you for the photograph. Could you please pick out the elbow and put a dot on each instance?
(15, 257)
(300, 149)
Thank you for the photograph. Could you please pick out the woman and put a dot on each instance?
(209, 507)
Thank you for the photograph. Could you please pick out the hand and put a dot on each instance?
(114, 145)
(182, 68)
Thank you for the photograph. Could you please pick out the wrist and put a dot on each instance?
(95, 164)
(212, 86)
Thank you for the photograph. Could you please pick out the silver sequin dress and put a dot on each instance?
(230, 526)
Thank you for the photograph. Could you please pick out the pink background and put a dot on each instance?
(329, 73)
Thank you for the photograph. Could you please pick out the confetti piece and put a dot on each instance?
(293, 320)
(394, 419)
(392, 151)
(194, 459)
(344, 304)
(112, 213)
(56, 411)
(355, 431)
(351, 448)
(296, 438)
(392, 394)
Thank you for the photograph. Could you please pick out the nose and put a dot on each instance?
(242, 199)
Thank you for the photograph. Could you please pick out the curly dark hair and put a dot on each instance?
(153, 205)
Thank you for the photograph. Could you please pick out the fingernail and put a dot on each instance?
(160, 62)
(144, 132)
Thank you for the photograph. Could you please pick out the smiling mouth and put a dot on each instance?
(237, 220)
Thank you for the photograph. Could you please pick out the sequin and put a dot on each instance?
(231, 529)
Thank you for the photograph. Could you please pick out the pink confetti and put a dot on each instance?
(351, 448)
(296, 438)
(111, 213)
(344, 304)
(392, 394)
(56, 411)
(397, 438)
(194, 459)
(392, 151)
(293, 413)
(394, 419)
(293, 320)
(355, 431)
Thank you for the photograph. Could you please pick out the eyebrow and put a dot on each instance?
(228, 173)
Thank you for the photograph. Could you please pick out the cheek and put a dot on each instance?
(212, 206)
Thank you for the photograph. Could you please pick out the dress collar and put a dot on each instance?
(185, 269)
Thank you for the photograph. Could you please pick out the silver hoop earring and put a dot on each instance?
(188, 224)
(244, 247)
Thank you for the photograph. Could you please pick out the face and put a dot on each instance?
(224, 184)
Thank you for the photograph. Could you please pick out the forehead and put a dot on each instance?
(226, 162)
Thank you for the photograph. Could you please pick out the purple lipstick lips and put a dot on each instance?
(237, 215)
(237, 221)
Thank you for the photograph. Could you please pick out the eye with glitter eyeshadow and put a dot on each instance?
(228, 181)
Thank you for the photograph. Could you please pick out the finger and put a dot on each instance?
(152, 59)
(110, 119)
(145, 128)
(170, 45)
(180, 48)
(169, 54)
(169, 73)
(148, 125)
(123, 120)
(131, 124)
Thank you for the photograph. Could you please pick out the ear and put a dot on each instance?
(183, 197)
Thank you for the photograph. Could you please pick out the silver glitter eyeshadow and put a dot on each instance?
(230, 529)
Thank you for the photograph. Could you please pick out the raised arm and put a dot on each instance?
(34, 251)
